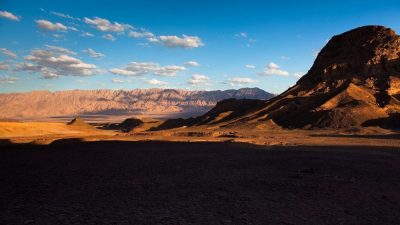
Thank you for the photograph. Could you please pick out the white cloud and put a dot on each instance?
(156, 82)
(92, 53)
(47, 25)
(122, 72)
(8, 80)
(30, 67)
(109, 37)
(9, 16)
(10, 54)
(87, 34)
(60, 49)
(141, 34)
(117, 81)
(274, 69)
(107, 26)
(169, 71)
(52, 64)
(153, 40)
(4, 66)
(172, 41)
(199, 79)
(299, 74)
(143, 68)
(73, 28)
(181, 42)
(250, 66)
(62, 15)
(240, 81)
(192, 63)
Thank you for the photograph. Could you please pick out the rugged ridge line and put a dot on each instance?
(152, 102)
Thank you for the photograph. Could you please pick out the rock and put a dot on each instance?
(354, 82)
(77, 121)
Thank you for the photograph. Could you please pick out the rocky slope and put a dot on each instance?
(355, 81)
(151, 102)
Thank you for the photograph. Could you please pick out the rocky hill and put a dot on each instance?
(354, 81)
(150, 102)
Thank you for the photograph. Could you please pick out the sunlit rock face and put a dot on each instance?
(354, 81)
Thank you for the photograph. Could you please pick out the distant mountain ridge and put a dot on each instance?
(168, 103)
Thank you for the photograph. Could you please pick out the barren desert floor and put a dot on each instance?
(120, 182)
(52, 173)
(44, 133)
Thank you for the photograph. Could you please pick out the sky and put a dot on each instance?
(195, 45)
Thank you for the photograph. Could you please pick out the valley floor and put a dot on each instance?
(52, 173)
(43, 133)
(120, 182)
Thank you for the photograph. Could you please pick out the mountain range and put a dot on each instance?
(169, 103)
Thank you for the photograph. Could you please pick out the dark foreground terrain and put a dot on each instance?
(197, 183)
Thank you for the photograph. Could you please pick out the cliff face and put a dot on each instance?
(355, 81)
(158, 102)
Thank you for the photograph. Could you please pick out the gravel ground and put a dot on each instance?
(197, 183)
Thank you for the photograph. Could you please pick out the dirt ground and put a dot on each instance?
(51, 173)
(43, 133)
(121, 182)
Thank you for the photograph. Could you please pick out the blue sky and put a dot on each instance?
(63, 45)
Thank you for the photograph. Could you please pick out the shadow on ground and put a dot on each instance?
(116, 182)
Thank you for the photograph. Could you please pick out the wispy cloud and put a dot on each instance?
(156, 82)
(8, 53)
(192, 64)
(60, 49)
(248, 66)
(50, 26)
(284, 57)
(143, 68)
(8, 80)
(240, 81)
(117, 81)
(92, 53)
(63, 15)
(105, 25)
(9, 16)
(241, 34)
(172, 41)
(274, 69)
(181, 42)
(109, 37)
(141, 34)
(87, 34)
(199, 79)
(4, 66)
